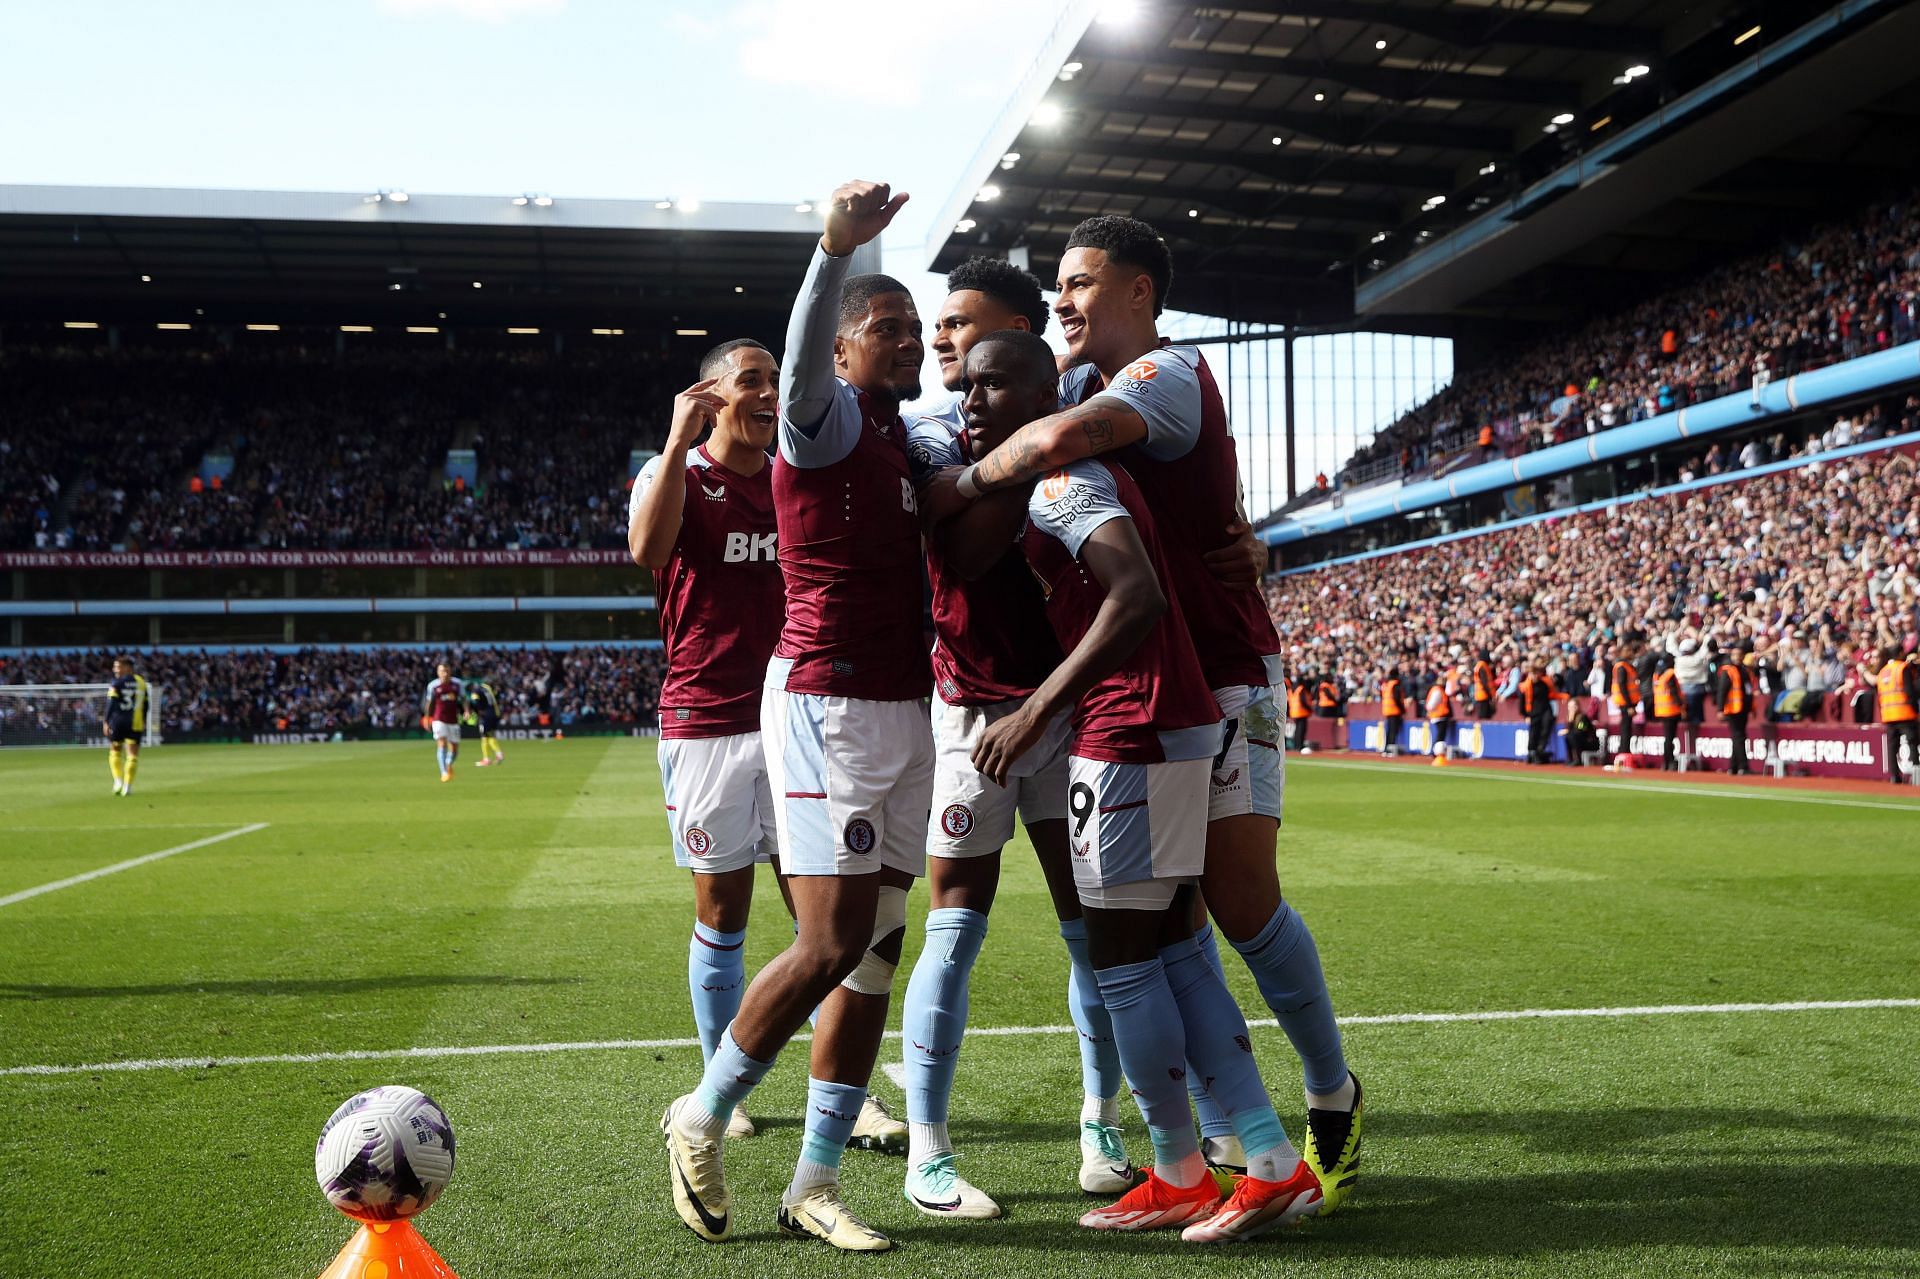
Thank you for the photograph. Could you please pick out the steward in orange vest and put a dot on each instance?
(1623, 689)
(1484, 686)
(1537, 696)
(1440, 718)
(1733, 693)
(1393, 712)
(1299, 712)
(1668, 706)
(1897, 685)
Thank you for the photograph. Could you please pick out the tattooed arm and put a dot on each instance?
(1101, 425)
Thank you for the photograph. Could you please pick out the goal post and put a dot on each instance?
(65, 715)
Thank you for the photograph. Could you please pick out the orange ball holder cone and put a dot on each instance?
(388, 1250)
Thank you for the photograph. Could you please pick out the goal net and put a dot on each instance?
(65, 715)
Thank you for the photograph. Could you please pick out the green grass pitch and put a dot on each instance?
(537, 904)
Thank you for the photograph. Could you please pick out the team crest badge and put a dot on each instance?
(957, 821)
(698, 842)
(859, 836)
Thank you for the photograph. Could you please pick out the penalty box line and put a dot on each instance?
(989, 1032)
(130, 863)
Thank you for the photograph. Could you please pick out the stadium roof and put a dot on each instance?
(273, 255)
(1288, 148)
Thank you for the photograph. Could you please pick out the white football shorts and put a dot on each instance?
(445, 732)
(852, 779)
(719, 802)
(1136, 831)
(972, 814)
(1250, 772)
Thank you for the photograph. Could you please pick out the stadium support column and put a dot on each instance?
(1286, 378)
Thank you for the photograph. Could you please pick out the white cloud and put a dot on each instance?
(493, 12)
(869, 50)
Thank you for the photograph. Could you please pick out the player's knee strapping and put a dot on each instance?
(874, 974)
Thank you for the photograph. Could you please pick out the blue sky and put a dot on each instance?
(757, 100)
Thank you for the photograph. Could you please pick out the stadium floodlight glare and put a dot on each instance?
(398, 197)
(964, 225)
(478, 285)
(1193, 213)
(423, 328)
(1069, 71)
(1433, 202)
(803, 207)
(690, 333)
(1010, 159)
(1747, 35)
(172, 325)
(528, 332)
(1379, 44)
(1565, 117)
(263, 328)
(1119, 13)
(543, 201)
(146, 279)
(987, 192)
(1600, 124)
(356, 328)
(1047, 114)
(522, 201)
(1277, 139)
(1378, 237)
(1488, 168)
(1319, 97)
(1637, 70)
(739, 288)
(608, 333)
(688, 204)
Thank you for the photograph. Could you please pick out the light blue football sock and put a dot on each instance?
(1286, 966)
(716, 974)
(1099, 1055)
(1147, 1027)
(729, 1077)
(1212, 1116)
(831, 1112)
(935, 1016)
(1220, 1051)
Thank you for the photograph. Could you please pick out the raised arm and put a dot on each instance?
(660, 490)
(857, 213)
(1101, 425)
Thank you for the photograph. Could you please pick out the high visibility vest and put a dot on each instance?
(1735, 702)
(1329, 695)
(1439, 705)
(1297, 707)
(1534, 690)
(1486, 437)
(1666, 696)
(1895, 706)
(1393, 702)
(1626, 685)
(1482, 682)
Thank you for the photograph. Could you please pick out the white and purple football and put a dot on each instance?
(386, 1153)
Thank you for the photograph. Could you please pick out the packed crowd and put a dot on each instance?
(102, 449)
(1816, 567)
(1839, 291)
(242, 692)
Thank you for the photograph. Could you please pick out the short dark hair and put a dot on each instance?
(1129, 242)
(858, 293)
(1033, 357)
(714, 362)
(1005, 283)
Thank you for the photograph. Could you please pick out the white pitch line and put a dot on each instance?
(117, 867)
(991, 1032)
(1702, 792)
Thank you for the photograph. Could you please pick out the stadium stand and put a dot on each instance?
(368, 690)
(103, 449)
(1814, 563)
(1839, 290)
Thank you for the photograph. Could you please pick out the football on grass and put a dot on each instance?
(386, 1153)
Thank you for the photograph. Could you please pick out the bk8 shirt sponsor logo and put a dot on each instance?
(744, 548)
